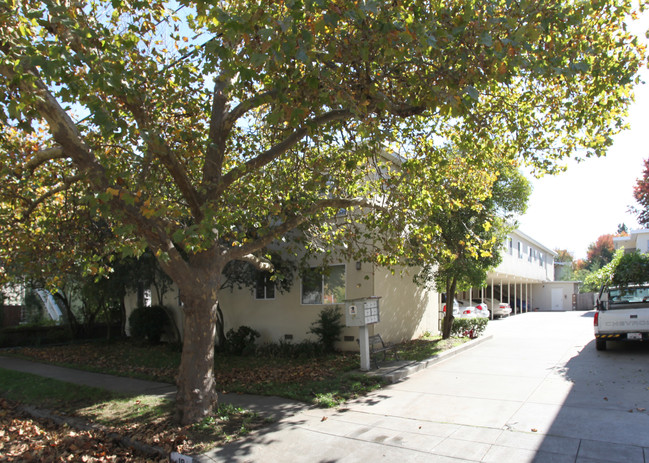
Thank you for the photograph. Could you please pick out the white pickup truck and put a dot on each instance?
(622, 315)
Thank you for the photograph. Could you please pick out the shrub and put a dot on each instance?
(328, 327)
(241, 341)
(148, 323)
(471, 327)
(288, 350)
(34, 335)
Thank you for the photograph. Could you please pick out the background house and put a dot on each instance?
(636, 240)
(524, 278)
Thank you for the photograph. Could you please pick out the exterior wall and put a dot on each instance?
(13, 294)
(525, 258)
(13, 297)
(555, 296)
(406, 310)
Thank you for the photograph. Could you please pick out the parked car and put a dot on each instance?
(467, 310)
(622, 315)
(460, 311)
(502, 309)
(482, 310)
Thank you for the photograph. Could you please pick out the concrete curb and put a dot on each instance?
(401, 370)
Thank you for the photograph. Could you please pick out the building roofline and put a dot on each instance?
(533, 241)
(632, 232)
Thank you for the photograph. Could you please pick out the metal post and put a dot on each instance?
(515, 294)
(364, 341)
(492, 299)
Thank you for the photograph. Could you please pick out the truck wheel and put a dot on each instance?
(600, 344)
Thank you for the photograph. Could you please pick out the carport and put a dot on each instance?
(519, 292)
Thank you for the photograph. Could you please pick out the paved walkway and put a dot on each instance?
(538, 391)
(534, 389)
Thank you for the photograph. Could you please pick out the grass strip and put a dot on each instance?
(49, 393)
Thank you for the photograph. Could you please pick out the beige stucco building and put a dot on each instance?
(406, 310)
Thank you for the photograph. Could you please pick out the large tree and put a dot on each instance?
(482, 204)
(209, 132)
(600, 252)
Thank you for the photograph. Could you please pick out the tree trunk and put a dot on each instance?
(196, 397)
(447, 324)
(220, 328)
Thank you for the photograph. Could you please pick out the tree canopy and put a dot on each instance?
(211, 130)
(600, 252)
(623, 270)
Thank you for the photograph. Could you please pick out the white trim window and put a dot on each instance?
(520, 250)
(324, 286)
(264, 287)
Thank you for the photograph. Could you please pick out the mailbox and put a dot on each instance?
(362, 312)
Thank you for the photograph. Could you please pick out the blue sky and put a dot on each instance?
(572, 209)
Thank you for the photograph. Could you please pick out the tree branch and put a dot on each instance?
(280, 148)
(67, 135)
(135, 104)
(41, 157)
(217, 136)
(67, 182)
(245, 106)
(221, 124)
(259, 263)
(282, 229)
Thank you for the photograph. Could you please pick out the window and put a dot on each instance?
(531, 254)
(147, 298)
(143, 296)
(264, 287)
(520, 250)
(511, 247)
(324, 286)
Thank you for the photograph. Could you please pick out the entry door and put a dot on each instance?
(557, 298)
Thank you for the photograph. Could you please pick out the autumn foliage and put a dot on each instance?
(601, 251)
(641, 195)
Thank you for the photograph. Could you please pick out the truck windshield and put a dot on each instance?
(628, 295)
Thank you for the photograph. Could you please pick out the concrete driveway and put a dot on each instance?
(537, 391)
